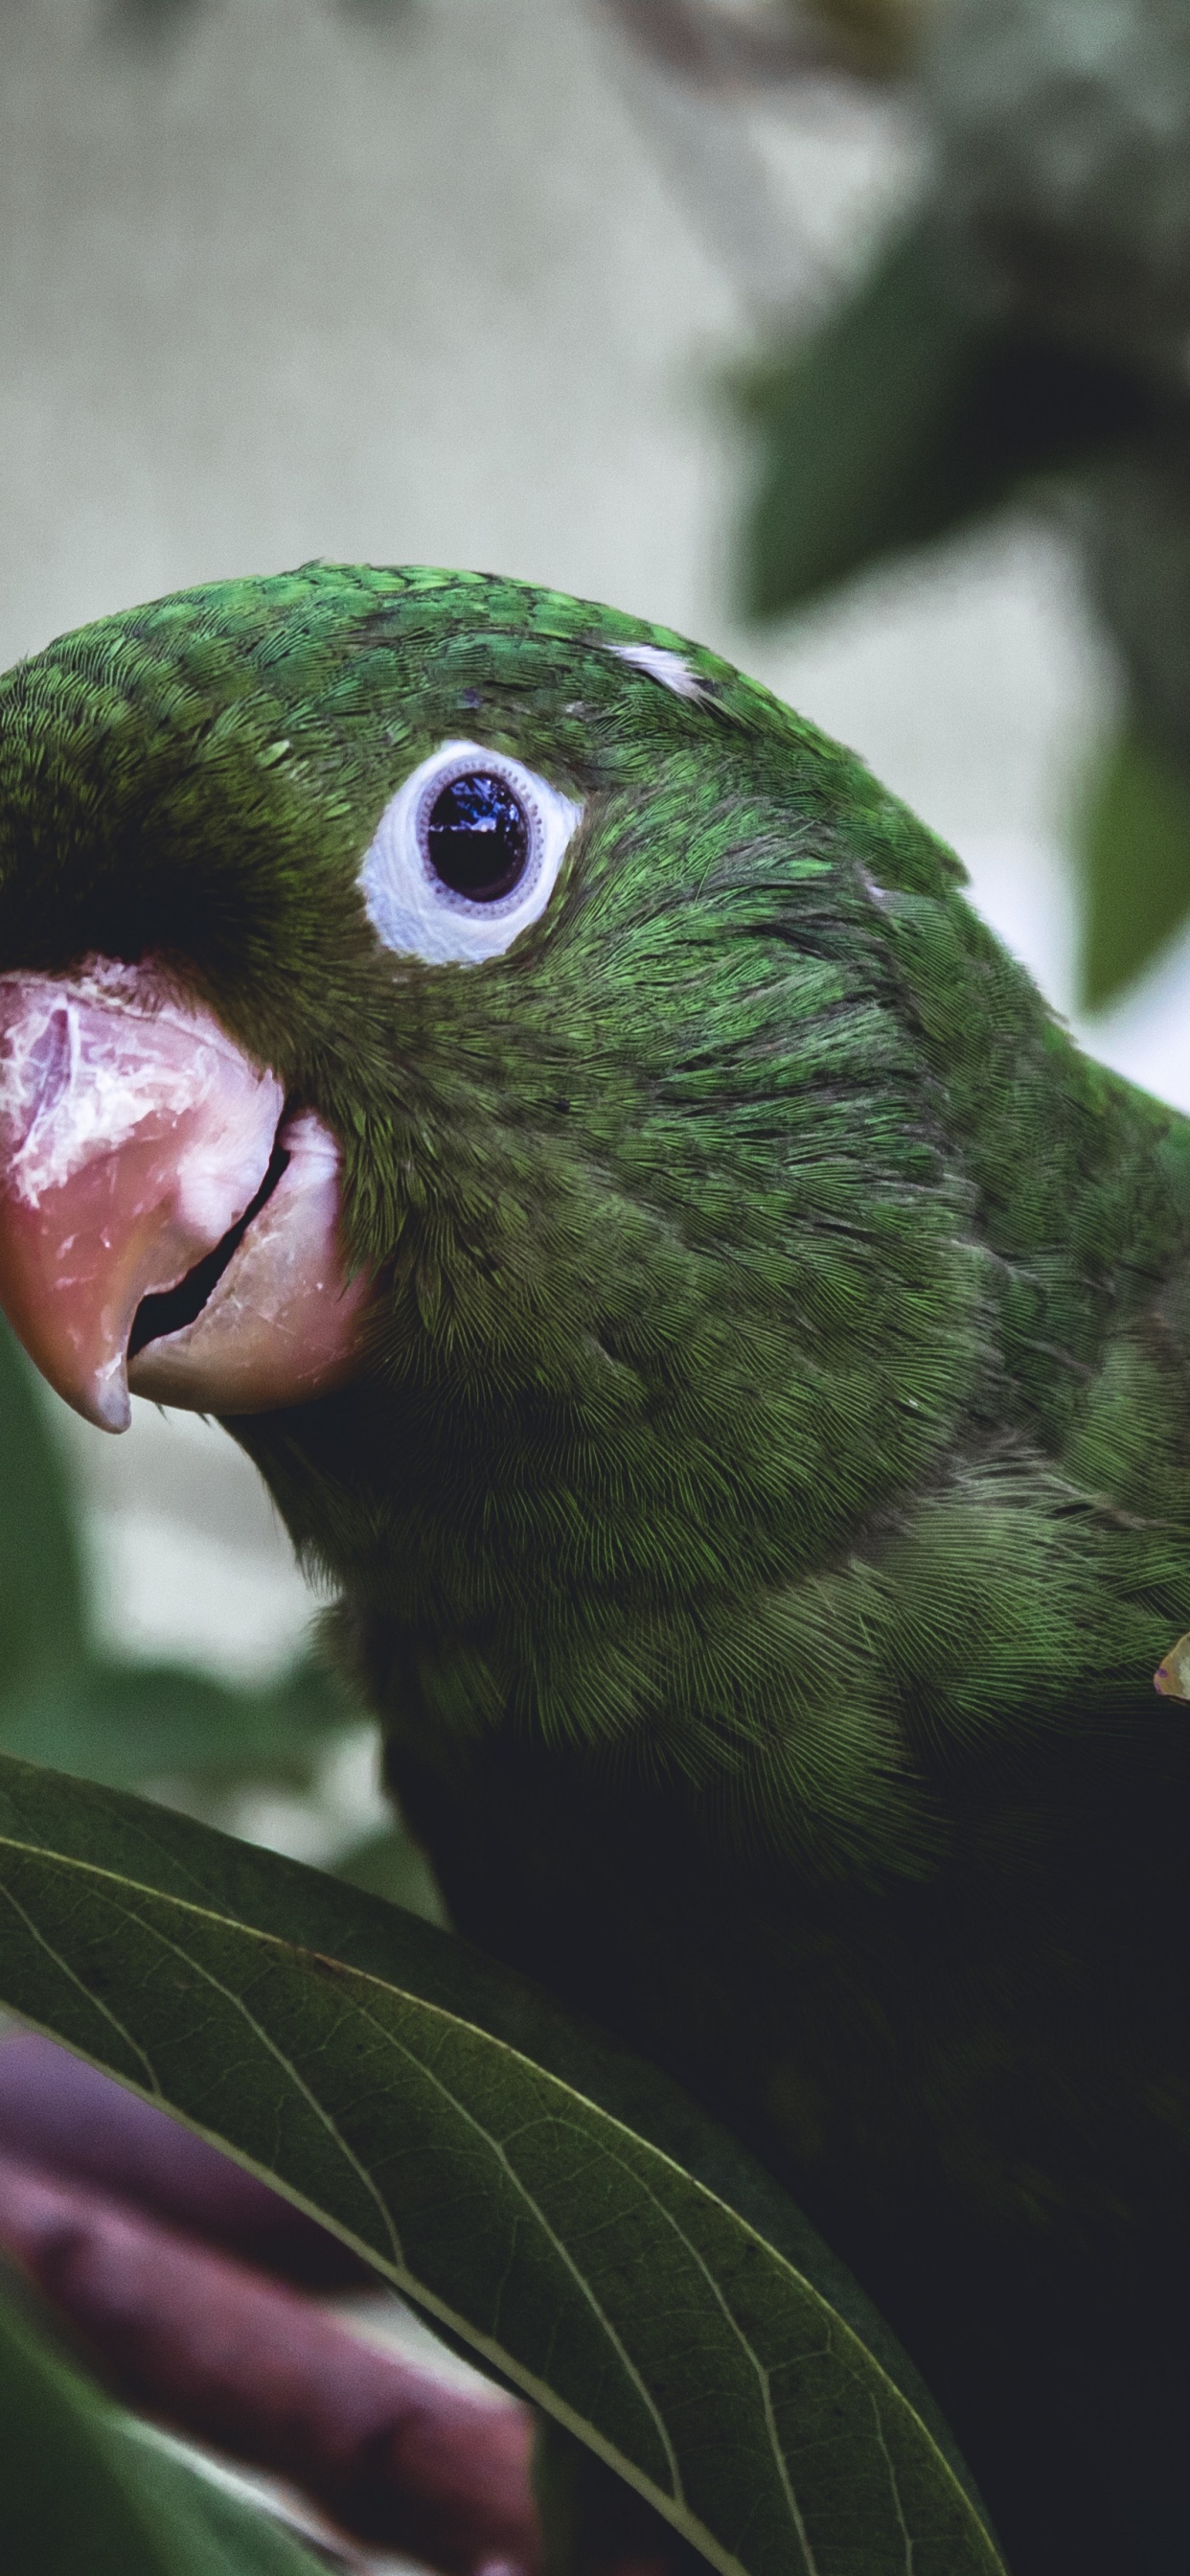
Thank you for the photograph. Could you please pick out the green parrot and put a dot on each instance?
(730, 1354)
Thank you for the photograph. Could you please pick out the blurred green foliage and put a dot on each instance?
(722, 40)
(1136, 864)
(66, 1702)
(84, 2489)
(1025, 337)
(905, 417)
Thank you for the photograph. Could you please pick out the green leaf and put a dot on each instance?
(907, 414)
(123, 1723)
(174, 1854)
(581, 2262)
(210, 2530)
(82, 2489)
(1135, 866)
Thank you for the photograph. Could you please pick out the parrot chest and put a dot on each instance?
(958, 2082)
(1007, 2037)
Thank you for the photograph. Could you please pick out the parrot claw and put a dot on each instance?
(1172, 1677)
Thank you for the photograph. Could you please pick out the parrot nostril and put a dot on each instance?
(48, 1060)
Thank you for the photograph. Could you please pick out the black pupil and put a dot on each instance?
(477, 832)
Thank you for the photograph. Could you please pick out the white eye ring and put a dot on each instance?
(412, 907)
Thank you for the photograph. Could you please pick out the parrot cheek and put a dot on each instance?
(139, 1147)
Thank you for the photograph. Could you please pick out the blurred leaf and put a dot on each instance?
(593, 2272)
(720, 45)
(82, 2494)
(42, 1616)
(1135, 866)
(126, 1723)
(1130, 518)
(211, 2530)
(882, 33)
(908, 413)
(62, 1702)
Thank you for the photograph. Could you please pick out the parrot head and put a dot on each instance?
(468, 1040)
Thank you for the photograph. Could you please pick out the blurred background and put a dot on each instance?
(849, 338)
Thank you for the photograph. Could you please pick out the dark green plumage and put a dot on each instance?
(768, 1502)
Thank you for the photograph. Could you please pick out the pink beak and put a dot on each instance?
(143, 1156)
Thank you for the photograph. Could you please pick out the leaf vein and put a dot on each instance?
(73, 1978)
(288, 2068)
(763, 2375)
(630, 2368)
(894, 2484)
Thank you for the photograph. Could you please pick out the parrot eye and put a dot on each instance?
(478, 836)
(465, 856)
